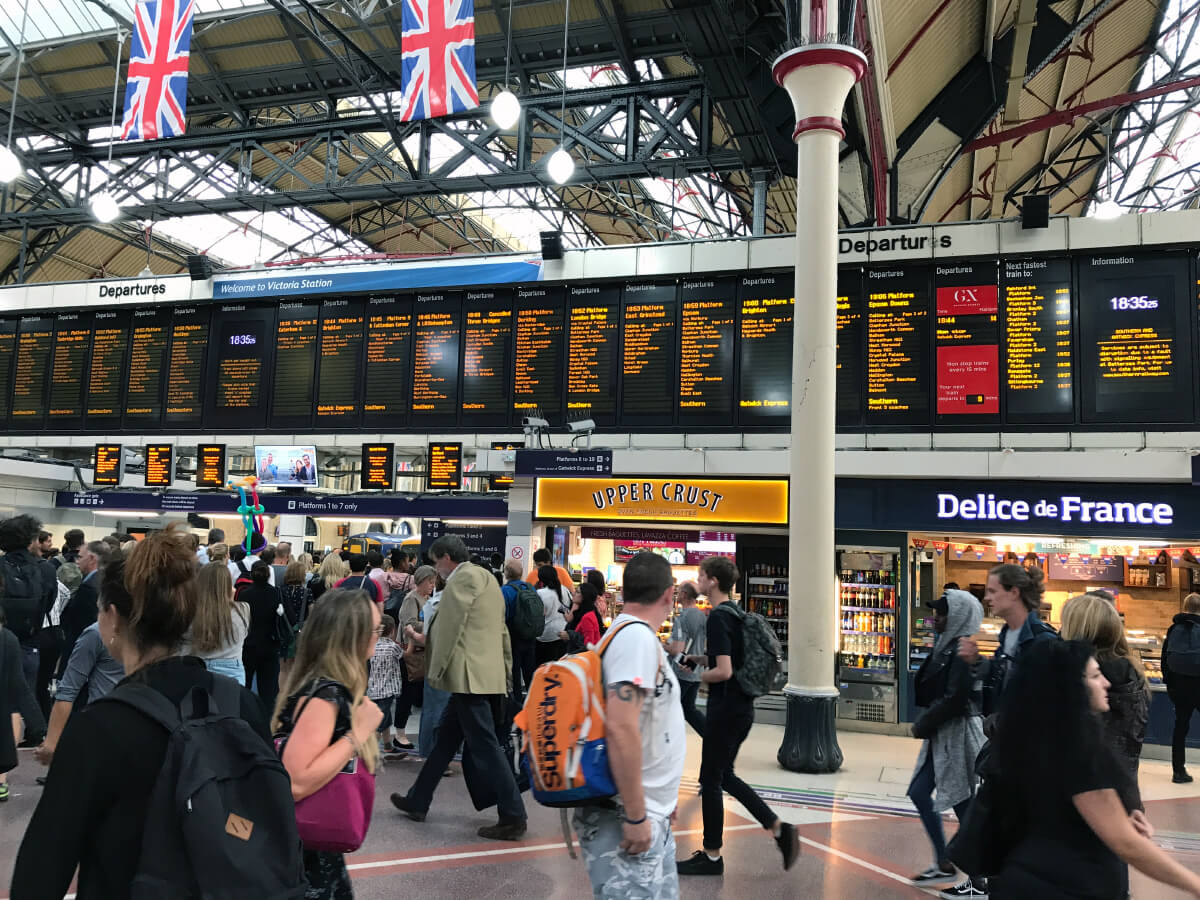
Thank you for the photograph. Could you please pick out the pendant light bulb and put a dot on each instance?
(105, 207)
(560, 166)
(506, 109)
(10, 166)
(1107, 209)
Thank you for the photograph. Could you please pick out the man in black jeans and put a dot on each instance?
(524, 651)
(730, 717)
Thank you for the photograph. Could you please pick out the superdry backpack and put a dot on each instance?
(1182, 654)
(529, 615)
(221, 823)
(762, 656)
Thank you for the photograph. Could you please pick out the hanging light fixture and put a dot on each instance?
(104, 205)
(10, 165)
(560, 166)
(1106, 206)
(506, 108)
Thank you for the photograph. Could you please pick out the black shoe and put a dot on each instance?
(788, 843)
(699, 863)
(503, 831)
(402, 747)
(941, 872)
(1182, 777)
(402, 803)
(964, 888)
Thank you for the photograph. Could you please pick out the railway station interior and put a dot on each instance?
(879, 319)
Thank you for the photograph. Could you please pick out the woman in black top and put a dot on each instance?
(260, 652)
(1060, 781)
(93, 809)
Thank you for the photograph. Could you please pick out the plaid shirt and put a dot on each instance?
(385, 679)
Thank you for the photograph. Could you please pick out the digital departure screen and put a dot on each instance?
(445, 467)
(8, 352)
(967, 342)
(108, 370)
(210, 466)
(185, 366)
(160, 465)
(538, 353)
(389, 360)
(35, 336)
(897, 346)
(1135, 358)
(378, 472)
(486, 360)
(295, 364)
(148, 339)
(108, 465)
(339, 379)
(241, 359)
(503, 482)
(708, 317)
(765, 335)
(850, 351)
(1038, 362)
(593, 314)
(435, 358)
(649, 337)
(68, 368)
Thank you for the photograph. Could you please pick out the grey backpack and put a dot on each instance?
(762, 654)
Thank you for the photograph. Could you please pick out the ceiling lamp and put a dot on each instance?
(506, 108)
(105, 207)
(560, 166)
(10, 165)
(1106, 209)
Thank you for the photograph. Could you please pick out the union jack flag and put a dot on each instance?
(156, 86)
(437, 69)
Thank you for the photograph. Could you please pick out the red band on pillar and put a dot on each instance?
(803, 57)
(819, 123)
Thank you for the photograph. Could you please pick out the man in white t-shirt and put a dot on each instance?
(630, 850)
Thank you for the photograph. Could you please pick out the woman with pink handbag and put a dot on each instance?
(325, 734)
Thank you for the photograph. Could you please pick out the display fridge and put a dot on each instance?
(868, 589)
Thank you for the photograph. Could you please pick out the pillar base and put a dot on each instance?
(810, 739)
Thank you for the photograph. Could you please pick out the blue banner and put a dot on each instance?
(390, 278)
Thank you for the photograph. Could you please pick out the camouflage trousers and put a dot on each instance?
(615, 875)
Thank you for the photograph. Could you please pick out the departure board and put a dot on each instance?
(445, 467)
(765, 338)
(708, 317)
(108, 464)
(210, 466)
(68, 370)
(389, 360)
(897, 346)
(967, 342)
(1134, 349)
(378, 470)
(107, 371)
(592, 347)
(185, 366)
(436, 338)
(160, 465)
(148, 339)
(1038, 362)
(295, 364)
(538, 353)
(339, 380)
(649, 336)
(486, 357)
(35, 335)
(850, 350)
(8, 351)
(240, 361)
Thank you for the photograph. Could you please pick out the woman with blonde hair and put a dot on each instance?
(326, 716)
(220, 625)
(218, 553)
(1092, 618)
(333, 569)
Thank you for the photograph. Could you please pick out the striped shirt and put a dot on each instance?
(385, 679)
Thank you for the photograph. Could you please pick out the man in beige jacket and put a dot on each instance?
(468, 654)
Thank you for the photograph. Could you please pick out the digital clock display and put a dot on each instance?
(1119, 303)
(242, 340)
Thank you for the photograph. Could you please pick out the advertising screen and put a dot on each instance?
(967, 342)
(285, 465)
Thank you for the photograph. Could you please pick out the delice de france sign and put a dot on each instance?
(1064, 508)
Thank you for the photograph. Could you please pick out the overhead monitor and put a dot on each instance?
(210, 466)
(445, 467)
(108, 465)
(286, 465)
(160, 465)
(378, 467)
(503, 482)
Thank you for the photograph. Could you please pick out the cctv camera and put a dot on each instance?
(534, 422)
(582, 426)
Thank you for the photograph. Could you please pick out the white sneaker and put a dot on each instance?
(963, 889)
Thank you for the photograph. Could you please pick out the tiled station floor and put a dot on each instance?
(861, 837)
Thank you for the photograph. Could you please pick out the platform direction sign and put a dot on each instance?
(563, 463)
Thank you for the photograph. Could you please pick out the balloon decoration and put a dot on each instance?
(251, 513)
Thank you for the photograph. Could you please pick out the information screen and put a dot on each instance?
(148, 339)
(160, 465)
(503, 482)
(649, 337)
(340, 383)
(1135, 357)
(241, 359)
(35, 336)
(445, 467)
(68, 368)
(967, 342)
(108, 465)
(765, 335)
(592, 347)
(898, 346)
(8, 352)
(850, 350)
(378, 472)
(295, 364)
(706, 336)
(389, 360)
(108, 370)
(538, 354)
(210, 466)
(435, 358)
(487, 345)
(1038, 363)
(185, 366)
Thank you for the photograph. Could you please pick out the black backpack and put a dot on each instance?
(23, 593)
(529, 614)
(221, 823)
(1182, 653)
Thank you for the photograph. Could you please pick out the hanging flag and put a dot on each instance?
(919, 543)
(156, 85)
(437, 66)
(939, 547)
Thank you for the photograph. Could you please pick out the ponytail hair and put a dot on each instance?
(1030, 582)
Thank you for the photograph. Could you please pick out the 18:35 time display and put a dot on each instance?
(243, 340)
(1123, 303)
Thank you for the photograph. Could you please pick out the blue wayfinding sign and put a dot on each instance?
(563, 464)
(389, 278)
